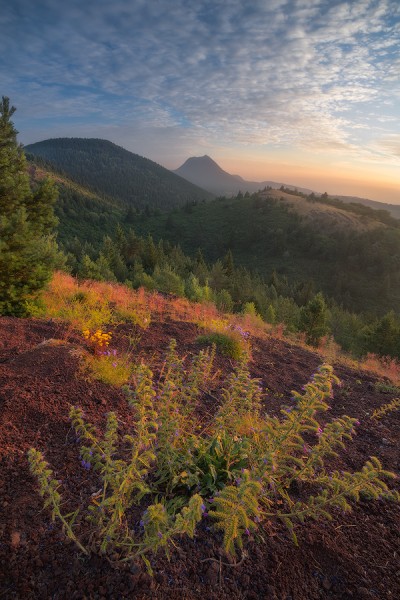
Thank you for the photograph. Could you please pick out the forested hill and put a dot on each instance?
(111, 171)
(350, 252)
(355, 260)
(82, 214)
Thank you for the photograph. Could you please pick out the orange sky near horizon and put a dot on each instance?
(335, 179)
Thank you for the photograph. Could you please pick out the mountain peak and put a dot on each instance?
(205, 171)
(201, 162)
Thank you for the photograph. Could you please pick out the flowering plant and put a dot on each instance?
(98, 339)
(238, 469)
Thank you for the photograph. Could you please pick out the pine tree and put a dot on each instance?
(229, 264)
(384, 339)
(314, 319)
(28, 251)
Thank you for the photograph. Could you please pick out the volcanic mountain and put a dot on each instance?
(204, 172)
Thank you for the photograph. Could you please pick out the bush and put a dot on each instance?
(230, 340)
(225, 343)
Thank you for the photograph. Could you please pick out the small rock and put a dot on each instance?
(326, 584)
(15, 539)
(271, 595)
(212, 573)
(363, 593)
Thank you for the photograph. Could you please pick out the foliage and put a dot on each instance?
(230, 340)
(89, 306)
(386, 387)
(48, 489)
(385, 409)
(226, 344)
(238, 469)
(28, 251)
(98, 339)
(384, 366)
(282, 294)
(110, 367)
(314, 320)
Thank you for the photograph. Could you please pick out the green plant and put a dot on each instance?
(385, 409)
(313, 320)
(109, 367)
(48, 489)
(230, 340)
(238, 468)
(386, 388)
(227, 345)
(28, 251)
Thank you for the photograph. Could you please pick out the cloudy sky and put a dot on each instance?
(301, 91)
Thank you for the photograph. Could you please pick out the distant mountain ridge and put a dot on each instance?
(393, 209)
(205, 172)
(113, 172)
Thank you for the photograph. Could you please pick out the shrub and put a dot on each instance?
(226, 344)
(230, 340)
(109, 367)
(237, 470)
(92, 305)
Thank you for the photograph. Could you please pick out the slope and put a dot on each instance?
(81, 213)
(112, 172)
(352, 556)
(353, 259)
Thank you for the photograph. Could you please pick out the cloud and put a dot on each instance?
(303, 73)
(390, 145)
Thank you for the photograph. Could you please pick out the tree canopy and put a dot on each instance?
(28, 250)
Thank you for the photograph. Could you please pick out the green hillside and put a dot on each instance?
(352, 254)
(110, 171)
(357, 263)
(81, 213)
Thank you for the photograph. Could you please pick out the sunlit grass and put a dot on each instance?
(110, 368)
(89, 305)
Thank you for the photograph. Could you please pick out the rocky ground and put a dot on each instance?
(355, 556)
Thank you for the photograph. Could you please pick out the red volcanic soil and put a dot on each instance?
(355, 556)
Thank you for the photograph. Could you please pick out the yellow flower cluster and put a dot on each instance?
(99, 339)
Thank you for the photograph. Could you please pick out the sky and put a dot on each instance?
(301, 91)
